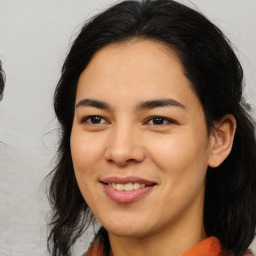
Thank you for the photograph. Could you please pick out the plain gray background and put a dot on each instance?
(35, 36)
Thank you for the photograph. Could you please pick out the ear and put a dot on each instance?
(221, 140)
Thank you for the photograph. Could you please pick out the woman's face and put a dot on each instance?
(139, 141)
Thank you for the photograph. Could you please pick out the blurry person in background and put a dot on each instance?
(2, 79)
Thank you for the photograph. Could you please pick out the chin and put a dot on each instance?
(127, 233)
(122, 229)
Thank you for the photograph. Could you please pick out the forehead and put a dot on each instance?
(137, 55)
(136, 69)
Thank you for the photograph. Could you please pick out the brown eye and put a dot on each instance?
(94, 120)
(159, 120)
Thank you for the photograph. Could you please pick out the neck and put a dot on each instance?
(165, 243)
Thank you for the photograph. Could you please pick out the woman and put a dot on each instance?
(156, 142)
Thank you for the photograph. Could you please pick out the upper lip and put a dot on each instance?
(130, 179)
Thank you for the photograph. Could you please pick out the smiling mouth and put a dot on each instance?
(128, 189)
(126, 186)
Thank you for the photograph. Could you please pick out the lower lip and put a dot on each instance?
(126, 196)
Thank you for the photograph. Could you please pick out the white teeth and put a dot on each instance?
(119, 187)
(126, 187)
(136, 186)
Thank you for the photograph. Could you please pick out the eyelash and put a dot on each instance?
(163, 120)
(160, 119)
(85, 119)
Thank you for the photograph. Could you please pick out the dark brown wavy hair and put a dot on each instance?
(217, 77)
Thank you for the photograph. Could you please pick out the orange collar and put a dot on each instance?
(210, 246)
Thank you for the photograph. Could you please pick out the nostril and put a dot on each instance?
(124, 150)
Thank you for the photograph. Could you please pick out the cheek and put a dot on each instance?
(86, 150)
(181, 156)
(85, 154)
(182, 162)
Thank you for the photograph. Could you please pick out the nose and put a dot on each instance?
(124, 146)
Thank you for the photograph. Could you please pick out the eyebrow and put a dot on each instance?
(149, 104)
(92, 103)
